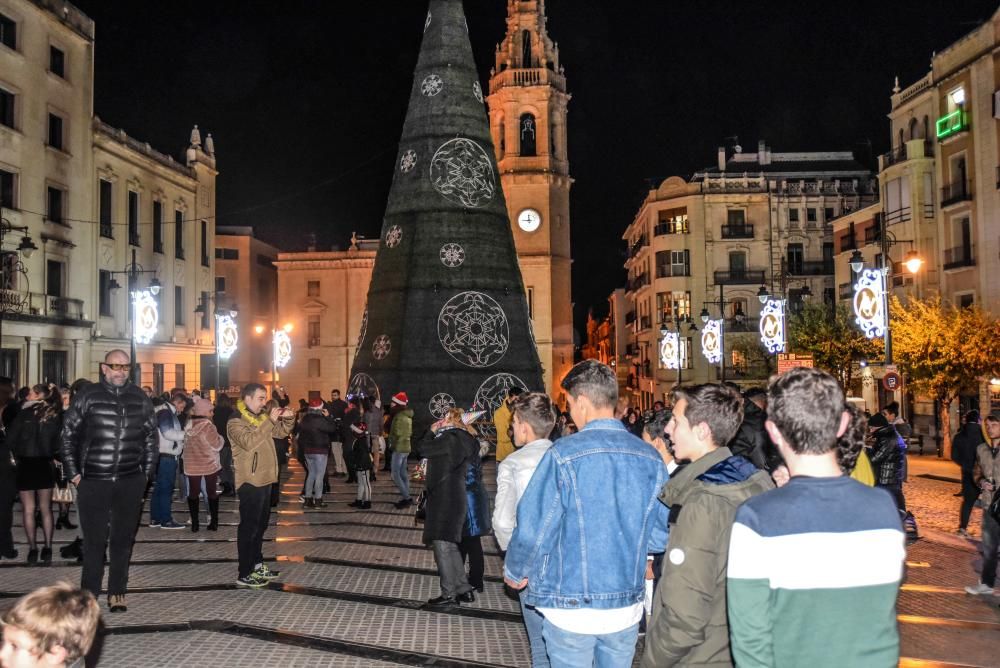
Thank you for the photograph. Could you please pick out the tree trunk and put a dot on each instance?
(945, 417)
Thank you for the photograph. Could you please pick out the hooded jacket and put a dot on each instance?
(751, 441)
(967, 440)
(689, 626)
(887, 457)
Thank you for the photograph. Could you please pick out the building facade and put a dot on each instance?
(95, 204)
(321, 302)
(528, 105)
(754, 222)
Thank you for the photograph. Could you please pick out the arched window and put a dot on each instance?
(526, 49)
(927, 128)
(502, 137)
(528, 132)
(900, 137)
(914, 129)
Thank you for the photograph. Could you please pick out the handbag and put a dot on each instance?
(62, 495)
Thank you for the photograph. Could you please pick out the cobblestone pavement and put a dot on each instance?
(352, 585)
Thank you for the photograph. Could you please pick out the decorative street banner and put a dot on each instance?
(228, 335)
(712, 342)
(869, 302)
(772, 325)
(145, 316)
(670, 350)
(282, 348)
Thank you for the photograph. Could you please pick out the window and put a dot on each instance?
(54, 366)
(312, 289)
(179, 235)
(204, 244)
(897, 200)
(737, 263)
(7, 99)
(313, 332)
(178, 306)
(967, 300)
(7, 189)
(56, 131)
(793, 215)
(794, 260)
(8, 270)
(227, 253)
(107, 224)
(810, 215)
(220, 284)
(528, 133)
(179, 380)
(9, 363)
(157, 227)
(157, 379)
(828, 213)
(54, 278)
(54, 205)
(105, 297)
(206, 316)
(314, 367)
(133, 218)
(956, 99)
(828, 252)
(736, 217)
(8, 32)
(526, 49)
(57, 62)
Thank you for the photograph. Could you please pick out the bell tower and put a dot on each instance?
(527, 107)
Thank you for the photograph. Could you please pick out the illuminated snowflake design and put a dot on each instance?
(364, 329)
(494, 389)
(440, 404)
(462, 172)
(393, 236)
(432, 85)
(427, 22)
(473, 329)
(363, 385)
(408, 162)
(381, 347)
(477, 90)
(452, 255)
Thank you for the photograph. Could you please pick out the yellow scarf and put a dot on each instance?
(254, 420)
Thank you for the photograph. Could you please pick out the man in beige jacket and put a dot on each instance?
(252, 433)
(987, 478)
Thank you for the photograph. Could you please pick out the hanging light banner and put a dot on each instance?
(772, 325)
(228, 335)
(869, 302)
(670, 350)
(282, 348)
(711, 341)
(145, 316)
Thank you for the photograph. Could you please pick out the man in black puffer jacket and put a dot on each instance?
(109, 443)
(751, 441)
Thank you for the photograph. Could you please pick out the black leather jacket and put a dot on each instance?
(28, 436)
(109, 433)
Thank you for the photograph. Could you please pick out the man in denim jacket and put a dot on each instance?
(585, 525)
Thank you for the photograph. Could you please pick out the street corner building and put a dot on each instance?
(447, 318)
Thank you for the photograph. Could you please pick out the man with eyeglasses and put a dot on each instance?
(109, 445)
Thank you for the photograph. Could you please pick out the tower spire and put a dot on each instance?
(526, 44)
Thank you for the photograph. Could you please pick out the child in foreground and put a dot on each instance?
(52, 627)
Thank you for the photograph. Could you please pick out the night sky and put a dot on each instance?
(306, 100)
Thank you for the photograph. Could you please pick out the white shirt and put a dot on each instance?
(594, 621)
(513, 475)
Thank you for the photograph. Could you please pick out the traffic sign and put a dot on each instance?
(787, 361)
(892, 381)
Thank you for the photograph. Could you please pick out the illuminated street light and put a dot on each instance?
(913, 262)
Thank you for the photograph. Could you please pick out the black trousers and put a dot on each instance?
(109, 517)
(8, 492)
(969, 495)
(471, 548)
(255, 512)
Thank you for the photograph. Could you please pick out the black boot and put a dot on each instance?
(193, 508)
(72, 551)
(63, 521)
(213, 509)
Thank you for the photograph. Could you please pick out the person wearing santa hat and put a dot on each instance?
(400, 433)
(361, 461)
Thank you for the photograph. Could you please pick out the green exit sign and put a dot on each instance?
(949, 124)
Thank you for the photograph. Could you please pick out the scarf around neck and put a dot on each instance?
(254, 420)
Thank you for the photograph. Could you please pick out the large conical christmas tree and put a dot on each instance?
(447, 317)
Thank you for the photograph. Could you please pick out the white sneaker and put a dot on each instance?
(980, 590)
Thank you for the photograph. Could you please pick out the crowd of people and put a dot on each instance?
(762, 528)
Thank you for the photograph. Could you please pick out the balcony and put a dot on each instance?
(630, 317)
(960, 256)
(637, 283)
(740, 277)
(645, 322)
(811, 268)
(744, 231)
(637, 246)
(955, 193)
(848, 242)
(670, 227)
(39, 305)
(901, 154)
(873, 234)
(672, 270)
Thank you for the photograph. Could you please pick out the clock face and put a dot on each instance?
(529, 220)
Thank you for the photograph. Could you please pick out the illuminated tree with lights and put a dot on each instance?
(833, 339)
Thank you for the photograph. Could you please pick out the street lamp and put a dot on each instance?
(143, 315)
(738, 316)
(226, 333)
(671, 346)
(10, 300)
(281, 348)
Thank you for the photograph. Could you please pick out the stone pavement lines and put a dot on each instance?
(205, 649)
(953, 646)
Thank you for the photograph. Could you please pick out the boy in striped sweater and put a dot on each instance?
(814, 566)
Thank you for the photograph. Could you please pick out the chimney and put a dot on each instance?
(722, 158)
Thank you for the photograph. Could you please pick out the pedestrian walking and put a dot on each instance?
(202, 446)
(817, 586)
(987, 478)
(315, 431)
(887, 457)
(586, 524)
(171, 447)
(109, 445)
(252, 433)
(400, 433)
(964, 449)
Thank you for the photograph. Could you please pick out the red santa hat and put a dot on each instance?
(400, 398)
(316, 403)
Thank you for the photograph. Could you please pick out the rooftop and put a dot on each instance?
(70, 16)
(119, 135)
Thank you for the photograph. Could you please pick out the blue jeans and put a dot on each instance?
(400, 476)
(577, 650)
(159, 506)
(533, 624)
(316, 464)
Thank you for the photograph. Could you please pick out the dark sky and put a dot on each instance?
(306, 99)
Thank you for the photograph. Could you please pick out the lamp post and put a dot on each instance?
(667, 357)
(133, 271)
(738, 316)
(224, 325)
(281, 349)
(11, 300)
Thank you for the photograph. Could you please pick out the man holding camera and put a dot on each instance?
(252, 433)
